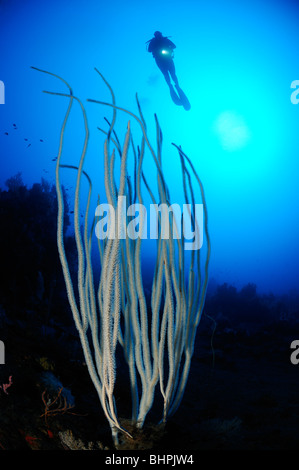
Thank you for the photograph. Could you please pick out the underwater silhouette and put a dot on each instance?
(162, 49)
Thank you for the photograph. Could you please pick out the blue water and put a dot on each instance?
(235, 61)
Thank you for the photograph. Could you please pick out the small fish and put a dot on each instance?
(28, 145)
(41, 140)
(54, 159)
(6, 133)
(26, 139)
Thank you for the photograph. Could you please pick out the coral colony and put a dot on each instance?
(156, 334)
(4, 387)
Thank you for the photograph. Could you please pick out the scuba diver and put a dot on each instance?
(162, 49)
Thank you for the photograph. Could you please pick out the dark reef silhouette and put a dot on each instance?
(242, 391)
(30, 264)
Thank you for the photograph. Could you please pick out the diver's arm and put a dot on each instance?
(171, 44)
(150, 46)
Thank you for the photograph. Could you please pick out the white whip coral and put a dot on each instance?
(157, 335)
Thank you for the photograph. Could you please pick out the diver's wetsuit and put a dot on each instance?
(164, 61)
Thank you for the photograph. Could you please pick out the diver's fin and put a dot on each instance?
(174, 96)
(183, 98)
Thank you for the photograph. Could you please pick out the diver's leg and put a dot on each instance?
(171, 69)
(162, 66)
(167, 78)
